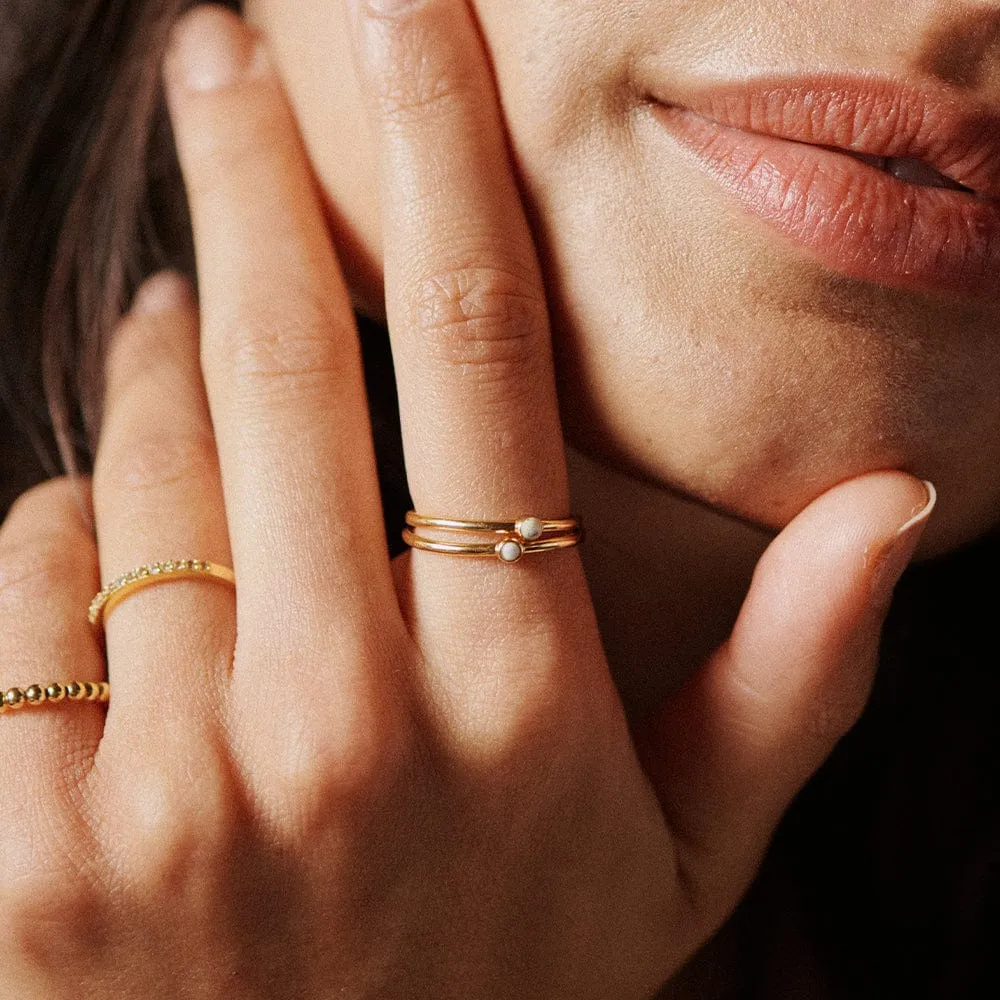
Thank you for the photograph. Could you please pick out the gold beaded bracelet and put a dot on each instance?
(40, 694)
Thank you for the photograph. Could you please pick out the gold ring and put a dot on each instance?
(145, 576)
(509, 541)
(528, 528)
(40, 694)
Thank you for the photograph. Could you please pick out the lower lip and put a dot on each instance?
(852, 218)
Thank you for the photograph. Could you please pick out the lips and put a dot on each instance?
(876, 180)
(908, 169)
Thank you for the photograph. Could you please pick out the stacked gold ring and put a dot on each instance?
(509, 541)
(39, 694)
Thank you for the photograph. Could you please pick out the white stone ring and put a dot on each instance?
(510, 540)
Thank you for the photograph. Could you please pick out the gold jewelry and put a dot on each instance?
(511, 539)
(160, 572)
(529, 528)
(39, 694)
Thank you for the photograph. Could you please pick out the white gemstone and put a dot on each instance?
(531, 529)
(510, 551)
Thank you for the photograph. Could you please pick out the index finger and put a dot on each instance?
(465, 299)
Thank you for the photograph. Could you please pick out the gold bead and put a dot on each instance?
(35, 694)
(14, 698)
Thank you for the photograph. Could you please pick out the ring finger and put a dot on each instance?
(158, 497)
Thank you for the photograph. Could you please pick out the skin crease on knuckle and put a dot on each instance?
(715, 379)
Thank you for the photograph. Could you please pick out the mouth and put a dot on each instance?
(876, 180)
(907, 169)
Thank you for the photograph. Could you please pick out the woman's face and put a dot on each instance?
(746, 321)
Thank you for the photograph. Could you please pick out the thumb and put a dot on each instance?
(733, 747)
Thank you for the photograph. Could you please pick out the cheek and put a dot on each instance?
(696, 351)
(696, 354)
(691, 349)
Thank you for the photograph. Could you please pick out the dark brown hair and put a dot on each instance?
(90, 204)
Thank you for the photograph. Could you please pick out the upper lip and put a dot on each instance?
(870, 115)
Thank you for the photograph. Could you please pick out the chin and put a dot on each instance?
(758, 441)
(699, 351)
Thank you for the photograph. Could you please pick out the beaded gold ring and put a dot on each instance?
(128, 583)
(35, 695)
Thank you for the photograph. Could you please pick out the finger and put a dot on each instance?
(738, 742)
(465, 300)
(158, 498)
(48, 574)
(280, 350)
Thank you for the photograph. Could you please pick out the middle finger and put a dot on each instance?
(280, 352)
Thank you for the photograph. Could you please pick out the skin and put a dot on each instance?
(755, 379)
(695, 351)
(352, 786)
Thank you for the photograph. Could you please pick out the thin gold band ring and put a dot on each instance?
(529, 528)
(128, 583)
(507, 550)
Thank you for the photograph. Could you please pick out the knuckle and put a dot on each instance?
(486, 317)
(56, 506)
(285, 353)
(505, 736)
(145, 345)
(331, 766)
(422, 80)
(44, 860)
(35, 567)
(427, 96)
(30, 574)
(40, 910)
(156, 459)
(236, 138)
(181, 828)
(347, 780)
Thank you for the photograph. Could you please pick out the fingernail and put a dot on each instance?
(899, 551)
(164, 290)
(379, 6)
(212, 49)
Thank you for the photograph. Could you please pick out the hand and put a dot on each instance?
(359, 778)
